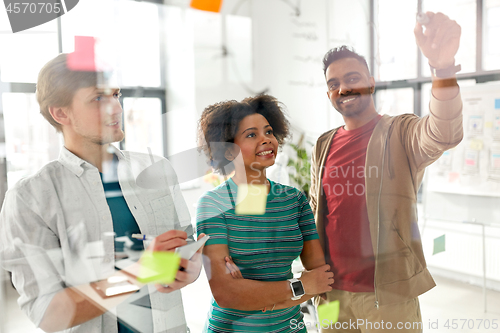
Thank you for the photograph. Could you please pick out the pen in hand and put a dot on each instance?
(143, 237)
(423, 19)
(148, 237)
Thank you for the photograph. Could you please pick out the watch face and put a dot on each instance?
(298, 289)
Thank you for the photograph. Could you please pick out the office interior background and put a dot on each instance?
(174, 61)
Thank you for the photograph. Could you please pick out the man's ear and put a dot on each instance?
(372, 84)
(59, 114)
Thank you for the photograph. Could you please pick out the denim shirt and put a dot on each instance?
(56, 231)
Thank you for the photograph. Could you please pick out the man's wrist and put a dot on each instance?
(445, 72)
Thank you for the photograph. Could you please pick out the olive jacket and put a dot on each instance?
(398, 151)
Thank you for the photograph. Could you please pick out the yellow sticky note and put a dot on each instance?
(328, 314)
(488, 124)
(476, 144)
(158, 267)
(251, 199)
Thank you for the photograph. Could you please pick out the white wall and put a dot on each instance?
(198, 72)
(283, 56)
(288, 50)
(288, 53)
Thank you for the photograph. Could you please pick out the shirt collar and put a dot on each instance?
(116, 151)
(75, 163)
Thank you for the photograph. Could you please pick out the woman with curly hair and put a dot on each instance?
(250, 256)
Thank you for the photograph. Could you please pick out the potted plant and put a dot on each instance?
(301, 166)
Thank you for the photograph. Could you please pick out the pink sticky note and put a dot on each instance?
(83, 59)
(470, 162)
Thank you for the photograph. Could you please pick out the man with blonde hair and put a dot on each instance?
(57, 226)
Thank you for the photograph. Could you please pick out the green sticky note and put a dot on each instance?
(439, 245)
(251, 199)
(329, 313)
(158, 267)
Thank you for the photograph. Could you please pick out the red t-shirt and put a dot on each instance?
(349, 246)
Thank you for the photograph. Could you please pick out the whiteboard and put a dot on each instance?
(473, 167)
(464, 183)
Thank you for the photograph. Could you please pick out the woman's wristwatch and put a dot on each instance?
(297, 289)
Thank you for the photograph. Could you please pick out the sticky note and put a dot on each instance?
(453, 177)
(439, 245)
(329, 313)
(251, 199)
(488, 124)
(476, 144)
(158, 267)
(470, 162)
(471, 158)
(83, 58)
(208, 5)
(495, 160)
(476, 123)
(497, 103)
(496, 120)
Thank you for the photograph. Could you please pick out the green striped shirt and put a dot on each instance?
(263, 247)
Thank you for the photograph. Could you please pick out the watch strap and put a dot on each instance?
(445, 73)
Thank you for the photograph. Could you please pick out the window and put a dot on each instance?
(131, 34)
(24, 53)
(426, 93)
(491, 46)
(396, 52)
(395, 47)
(394, 102)
(464, 12)
(143, 125)
(30, 141)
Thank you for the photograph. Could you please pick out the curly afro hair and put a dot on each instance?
(219, 124)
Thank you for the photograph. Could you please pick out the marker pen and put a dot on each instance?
(143, 237)
(423, 19)
(148, 237)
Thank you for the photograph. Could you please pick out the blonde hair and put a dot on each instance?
(57, 85)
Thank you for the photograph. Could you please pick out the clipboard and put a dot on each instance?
(114, 286)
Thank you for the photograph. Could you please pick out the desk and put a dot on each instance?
(136, 317)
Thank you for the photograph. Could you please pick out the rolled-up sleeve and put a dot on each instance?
(31, 251)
